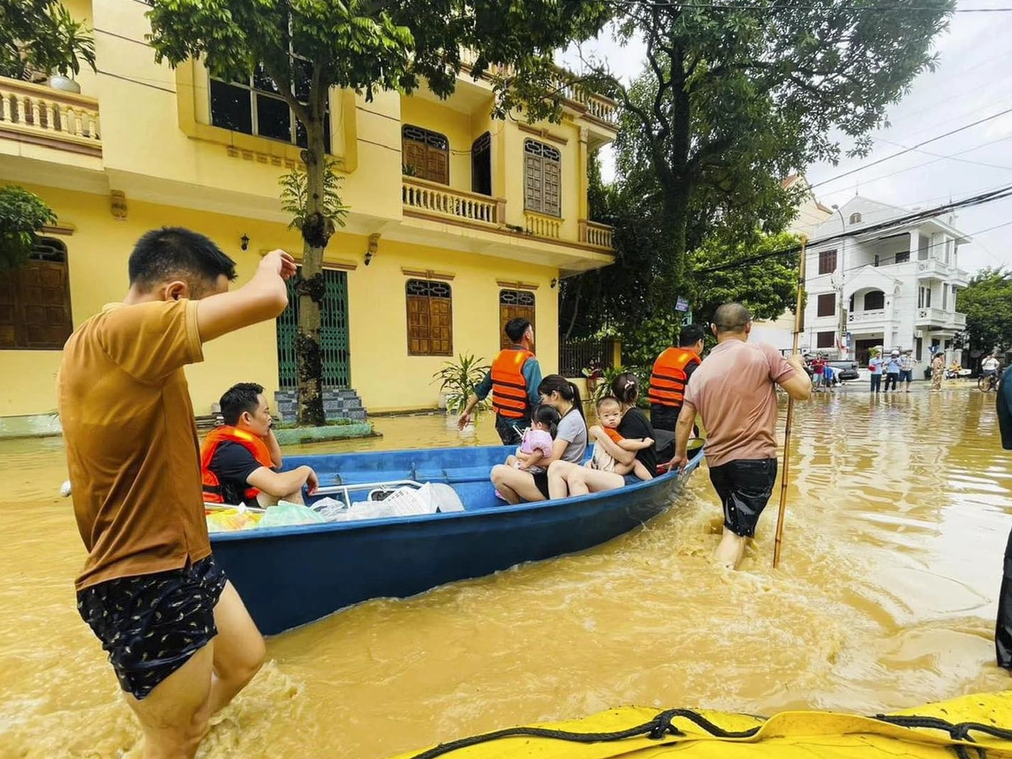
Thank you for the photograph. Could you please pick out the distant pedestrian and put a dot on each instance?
(937, 370)
(875, 370)
(907, 363)
(819, 371)
(892, 370)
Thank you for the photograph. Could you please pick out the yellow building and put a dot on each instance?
(457, 221)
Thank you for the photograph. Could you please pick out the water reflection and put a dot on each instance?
(885, 599)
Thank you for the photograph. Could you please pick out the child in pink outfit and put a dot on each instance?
(536, 445)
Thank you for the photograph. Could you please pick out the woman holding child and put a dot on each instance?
(629, 445)
(517, 483)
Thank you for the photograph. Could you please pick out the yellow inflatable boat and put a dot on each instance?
(973, 727)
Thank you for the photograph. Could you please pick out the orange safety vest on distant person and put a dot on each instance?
(509, 388)
(217, 436)
(667, 382)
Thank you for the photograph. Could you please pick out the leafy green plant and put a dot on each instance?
(459, 378)
(41, 35)
(22, 216)
(295, 196)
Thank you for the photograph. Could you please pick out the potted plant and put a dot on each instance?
(457, 381)
(73, 46)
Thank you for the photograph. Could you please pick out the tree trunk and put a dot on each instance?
(316, 231)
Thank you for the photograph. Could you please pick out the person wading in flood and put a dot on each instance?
(513, 382)
(1003, 625)
(671, 372)
(734, 390)
(177, 634)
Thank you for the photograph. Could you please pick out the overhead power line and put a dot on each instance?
(901, 221)
(897, 154)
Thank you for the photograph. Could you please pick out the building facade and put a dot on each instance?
(894, 288)
(457, 221)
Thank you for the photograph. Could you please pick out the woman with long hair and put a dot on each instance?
(568, 479)
(570, 444)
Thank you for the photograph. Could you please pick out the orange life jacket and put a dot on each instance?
(509, 388)
(255, 445)
(667, 382)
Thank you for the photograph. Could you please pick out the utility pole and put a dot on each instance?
(840, 276)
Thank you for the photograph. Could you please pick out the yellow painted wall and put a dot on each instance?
(383, 373)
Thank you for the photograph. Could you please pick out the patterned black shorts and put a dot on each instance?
(744, 487)
(152, 624)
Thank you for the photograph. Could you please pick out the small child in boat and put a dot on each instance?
(536, 445)
(609, 413)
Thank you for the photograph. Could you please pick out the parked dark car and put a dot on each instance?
(846, 370)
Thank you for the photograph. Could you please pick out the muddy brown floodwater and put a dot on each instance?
(886, 595)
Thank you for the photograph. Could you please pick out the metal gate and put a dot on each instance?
(333, 333)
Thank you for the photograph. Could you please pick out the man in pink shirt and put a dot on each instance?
(734, 390)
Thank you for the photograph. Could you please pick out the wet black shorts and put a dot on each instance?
(744, 487)
(152, 624)
(541, 481)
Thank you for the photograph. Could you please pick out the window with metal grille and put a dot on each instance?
(874, 301)
(514, 304)
(827, 261)
(35, 300)
(827, 305)
(430, 317)
(426, 154)
(542, 178)
(256, 107)
(855, 218)
(825, 339)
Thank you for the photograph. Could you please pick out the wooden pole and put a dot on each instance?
(799, 321)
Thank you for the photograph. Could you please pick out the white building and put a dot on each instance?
(894, 288)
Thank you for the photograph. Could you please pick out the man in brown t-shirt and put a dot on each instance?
(178, 636)
(734, 390)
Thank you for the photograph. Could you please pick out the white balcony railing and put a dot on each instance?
(49, 117)
(860, 317)
(436, 199)
(938, 317)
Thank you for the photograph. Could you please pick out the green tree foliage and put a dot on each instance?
(987, 303)
(733, 99)
(22, 216)
(310, 46)
(41, 36)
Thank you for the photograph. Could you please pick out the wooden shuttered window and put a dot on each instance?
(514, 304)
(426, 154)
(827, 304)
(35, 300)
(430, 318)
(542, 178)
(827, 261)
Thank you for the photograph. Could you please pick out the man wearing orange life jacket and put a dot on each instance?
(671, 373)
(239, 462)
(513, 382)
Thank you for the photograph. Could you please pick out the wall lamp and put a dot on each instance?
(373, 248)
(555, 281)
(244, 241)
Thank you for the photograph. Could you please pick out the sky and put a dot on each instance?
(972, 81)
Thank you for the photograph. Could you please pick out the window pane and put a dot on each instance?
(230, 107)
(274, 119)
(263, 82)
(303, 76)
(825, 339)
(827, 305)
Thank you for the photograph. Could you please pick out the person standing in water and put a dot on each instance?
(734, 391)
(177, 634)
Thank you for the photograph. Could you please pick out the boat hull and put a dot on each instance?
(291, 576)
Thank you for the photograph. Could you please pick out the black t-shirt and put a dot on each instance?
(232, 463)
(634, 425)
(666, 417)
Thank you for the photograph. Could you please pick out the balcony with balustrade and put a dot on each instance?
(939, 319)
(943, 272)
(38, 123)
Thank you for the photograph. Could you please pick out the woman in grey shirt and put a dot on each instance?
(516, 485)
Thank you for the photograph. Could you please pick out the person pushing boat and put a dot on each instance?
(513, 381)
(734, 391)
(177, 633)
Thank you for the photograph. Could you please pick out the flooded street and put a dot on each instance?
(899, 512)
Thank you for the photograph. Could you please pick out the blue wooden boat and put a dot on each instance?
(289, 576)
